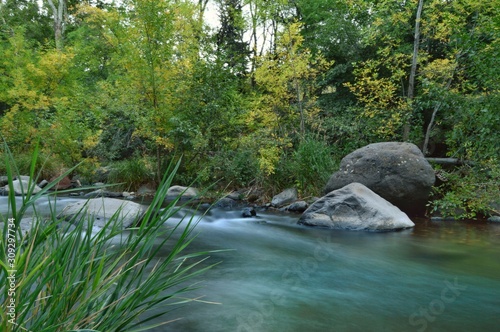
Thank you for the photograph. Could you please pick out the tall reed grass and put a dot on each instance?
(71, 279)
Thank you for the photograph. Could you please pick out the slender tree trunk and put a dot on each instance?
(296, 83)
(429, 128)
(202, 6)
(253, 18)
(58, 15)
(433, 117)
(413, 71)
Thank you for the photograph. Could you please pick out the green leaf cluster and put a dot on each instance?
(143, 80)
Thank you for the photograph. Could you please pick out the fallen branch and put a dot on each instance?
(450, 161)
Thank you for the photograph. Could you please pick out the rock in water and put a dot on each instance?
(102, 209)
(396, 171)
(20, 187)
(186, 193)
(248, 212)
(287, 196)
(355, 207)
(298, 206)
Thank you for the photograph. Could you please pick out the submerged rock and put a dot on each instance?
(248, 212)
(494, 219)
(298, 206)
(355, 207)
(226, 203)
(103, 193)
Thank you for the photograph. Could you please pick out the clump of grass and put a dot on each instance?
(131, 173)
(46, 166)
(77, 280)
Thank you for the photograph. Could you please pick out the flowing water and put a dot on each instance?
(278, 276)
(439, 276)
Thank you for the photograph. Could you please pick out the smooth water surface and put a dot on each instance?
(439, 276)
(282, 277)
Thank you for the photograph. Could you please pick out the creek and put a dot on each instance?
(279, 276)
(439, 276)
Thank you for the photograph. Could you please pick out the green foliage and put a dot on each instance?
(25, 13)
(152, 79)
(324, 19)
(47, 166)
(231, 48)
(287, 103)
(469, 192)
(475, 129)
(311, 165)
(132, 173)
(237, 169)
(105, 280)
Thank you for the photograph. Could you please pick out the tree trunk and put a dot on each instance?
(434, 112)
(58, 16)
(413, 72)
(429, 128)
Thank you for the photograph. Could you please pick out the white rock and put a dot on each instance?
(21, 187)
(355, 207)
(102, 209)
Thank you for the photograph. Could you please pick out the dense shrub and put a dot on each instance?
(467, 192)
(130, 174)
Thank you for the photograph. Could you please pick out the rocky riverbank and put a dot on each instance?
(395, 172)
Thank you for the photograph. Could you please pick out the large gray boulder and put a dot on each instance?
(102, 209)
(396, 171)
(355, 207)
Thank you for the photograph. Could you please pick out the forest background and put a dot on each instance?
(272, 96)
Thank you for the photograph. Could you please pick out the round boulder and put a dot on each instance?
(396, 171)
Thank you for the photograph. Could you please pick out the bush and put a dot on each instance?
(239, 168)
(307, 168)
(468, 192)
(312, 165)
(80, 280)
(46, 166)
(130, 174)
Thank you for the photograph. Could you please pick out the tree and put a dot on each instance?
(413, 71)
(59, 13)
(230, 44)
(42, 97)
(287, 79)
(334, 29)
(446, 37)
(26, 13)
(379, 83)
